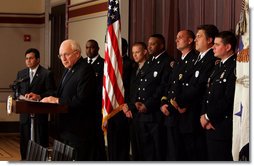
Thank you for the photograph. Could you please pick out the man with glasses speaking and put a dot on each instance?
(77, 89)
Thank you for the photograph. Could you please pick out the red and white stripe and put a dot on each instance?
(113, 90)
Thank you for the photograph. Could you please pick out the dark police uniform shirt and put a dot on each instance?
(219, 99)
(192, 93)
(181, 73)
(151, 84)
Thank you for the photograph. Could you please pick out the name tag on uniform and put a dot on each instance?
(155, 74)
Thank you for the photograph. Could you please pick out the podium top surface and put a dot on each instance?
(22, 106)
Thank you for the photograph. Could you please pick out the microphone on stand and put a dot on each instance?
(16, 85)
(22, 79)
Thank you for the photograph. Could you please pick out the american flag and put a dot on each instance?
(113, 90)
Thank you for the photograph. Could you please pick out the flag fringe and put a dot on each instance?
(110, 115)
(243, 55)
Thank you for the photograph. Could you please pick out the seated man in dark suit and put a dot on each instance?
(40, 83)
(77, 89)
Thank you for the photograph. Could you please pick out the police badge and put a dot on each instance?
(180, 76)
(196, 73)
(222, 75)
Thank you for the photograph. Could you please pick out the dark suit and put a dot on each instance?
(118, 126)
(43, 85)
(218, 105)
(98, 66)
(148, 89)
(77, 128)
(181, 73)
(192, 92)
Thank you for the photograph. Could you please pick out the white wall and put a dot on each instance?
(93, 26)
(22, 6)
(89, 28)
(13, 46)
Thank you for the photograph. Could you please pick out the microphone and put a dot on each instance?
(22, 79)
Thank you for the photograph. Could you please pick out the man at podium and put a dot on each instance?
(77, 89)
(35, 83)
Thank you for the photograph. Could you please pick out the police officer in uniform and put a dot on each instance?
(217, 112)
(150, 85)
(182, 71)
(139, 54)
(188, 104)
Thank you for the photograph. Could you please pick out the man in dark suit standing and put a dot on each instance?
(77, 89)
(38, 83)
(93, 58)
(217, 112)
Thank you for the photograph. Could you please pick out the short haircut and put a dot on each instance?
(160, 37)
(33, 50)
(192, 36)
(210, 30)
(94, 42)
(142, 44)
(228, 37)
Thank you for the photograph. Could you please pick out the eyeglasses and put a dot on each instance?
(66, 54)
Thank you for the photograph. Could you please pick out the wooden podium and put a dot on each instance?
(22, 106)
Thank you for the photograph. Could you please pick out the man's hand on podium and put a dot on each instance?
(33, 96)
(50, 99)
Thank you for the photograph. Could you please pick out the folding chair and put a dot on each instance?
(36, 152)
(62, 152)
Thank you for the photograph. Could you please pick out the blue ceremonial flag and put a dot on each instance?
(240, 140)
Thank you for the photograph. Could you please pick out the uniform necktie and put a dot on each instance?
(198, 59)
(221, 64)
(138, 71)
(31, 76)
(90, 61)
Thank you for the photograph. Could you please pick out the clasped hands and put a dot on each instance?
(166, 112)
(139, 106)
